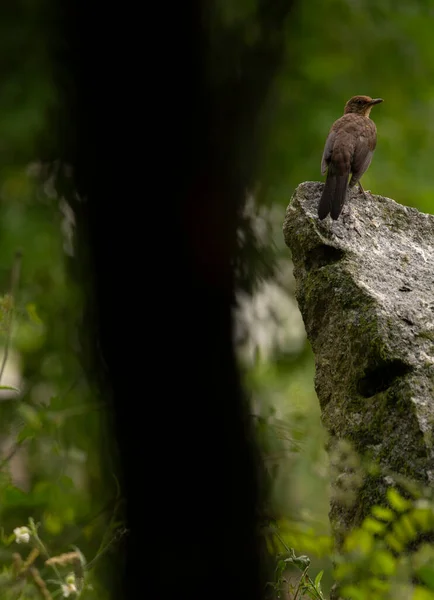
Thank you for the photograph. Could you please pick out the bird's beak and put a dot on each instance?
(376, 101)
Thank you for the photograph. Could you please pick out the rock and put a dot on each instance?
(365, 288)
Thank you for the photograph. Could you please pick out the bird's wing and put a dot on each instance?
(328, 149)
(361, 160)
(362, 157)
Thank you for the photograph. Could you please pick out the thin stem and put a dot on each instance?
(102, 550)
(41, 545)
(304, 573)
(282, 542)
(299, 583)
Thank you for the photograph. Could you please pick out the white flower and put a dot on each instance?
(68, 588)
(22, 535)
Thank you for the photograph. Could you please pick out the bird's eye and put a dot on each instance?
(359, 101)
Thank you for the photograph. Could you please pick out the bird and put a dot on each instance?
(348, 151)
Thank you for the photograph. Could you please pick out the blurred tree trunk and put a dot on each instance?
(163, 143)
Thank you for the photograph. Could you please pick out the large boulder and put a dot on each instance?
(365, 288)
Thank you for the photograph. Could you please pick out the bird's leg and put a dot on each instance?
(362, 190)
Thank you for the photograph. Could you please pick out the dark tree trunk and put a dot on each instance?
(157, 150)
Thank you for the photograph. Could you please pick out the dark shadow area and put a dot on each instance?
(379, 378)
(161, 188)
(322, 256)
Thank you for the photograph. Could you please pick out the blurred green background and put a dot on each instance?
(55, 454)
(335, 49)
(53, 435)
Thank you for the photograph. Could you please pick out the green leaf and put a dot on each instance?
(280, 568)
(374, 526)
(420, 593)
(426, 574)
(408, 526)
(396, 501)
(354, 592)
(317, 584)
(423, 518)
(30, 415)
(318, 578)
(27, 432)
(401, 532)
(53, 523)
(33, 314)
(359, 540)
(15, 497)
(299, 561)
(393, 542)
(383, 513)
(383, 563)
(379, 585)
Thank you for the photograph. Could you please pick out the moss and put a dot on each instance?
(427, 335)
(309, 286)
(369, 331)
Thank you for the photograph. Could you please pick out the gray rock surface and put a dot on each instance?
(365, 288)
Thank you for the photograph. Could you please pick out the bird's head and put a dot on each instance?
(361, 105)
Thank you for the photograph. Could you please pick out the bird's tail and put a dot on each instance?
(333, 195)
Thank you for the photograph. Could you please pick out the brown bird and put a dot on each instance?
(348, 151)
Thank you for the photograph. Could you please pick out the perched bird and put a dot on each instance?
(348, 151)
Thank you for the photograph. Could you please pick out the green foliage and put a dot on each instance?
(300, 586)
(35, 572)
(54, 467)
(388, 552)
(387, 557)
